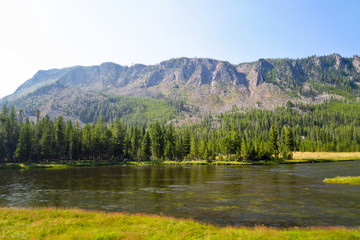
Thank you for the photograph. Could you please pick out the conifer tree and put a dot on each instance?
(289, 139)
(169, 151)
(23, 149)
(145, 149)
(274, 141)
(135, 142)
(87, 142)
(186, 142)
(194, 147)
(47, 139)
(60, 136)
(179, 148)
(118, 139)
(157, 141)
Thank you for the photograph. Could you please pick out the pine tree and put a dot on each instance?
(23, 149)
(289, 144)
(3, 138)
(274, 141)
(202, 148)
(75, 142)
(60, 136)
(227, 145)
(169, 151)
(243, 148)
(289, 139)
(87, 142)
(179, 149)
(145, 149)
(236, 140)
(157, 141)
(12, 133)
(194, 147)
(186, 142)
(135, 142)
(206, 154)
(47, 141)
(118, 139)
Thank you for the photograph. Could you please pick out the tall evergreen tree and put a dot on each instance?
(157, 140)
(60, 136)
(12, 133)
(135, 142)
(145, 149)
(186, 142)
(24, 146)
(289, 139)
(179, 148)
(169, 151)
(75, 142)
(47, 139)
(87, 142)
(118, 139)
(274, 141)
(194, 147)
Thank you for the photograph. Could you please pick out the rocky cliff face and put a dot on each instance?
(208, 85)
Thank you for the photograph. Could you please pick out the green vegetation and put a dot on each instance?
(343, 180)
(299, 157)
(131, 110)
(256, 135)
(328, 74)
(79, 224)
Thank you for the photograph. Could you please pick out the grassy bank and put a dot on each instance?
(325, 156)
(79, 224)
(298, 157)
(343, 180)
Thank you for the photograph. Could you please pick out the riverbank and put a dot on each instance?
(343, 180)
(79, 224)
(298, 157)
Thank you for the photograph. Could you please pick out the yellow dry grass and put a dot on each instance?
(327, 155)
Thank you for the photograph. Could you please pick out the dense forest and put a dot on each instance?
(251, 135)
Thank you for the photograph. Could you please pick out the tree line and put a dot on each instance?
(252, 135)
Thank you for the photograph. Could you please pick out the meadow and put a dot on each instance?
(52, 223)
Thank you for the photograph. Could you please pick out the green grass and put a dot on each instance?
(79, 224)
(343, 180)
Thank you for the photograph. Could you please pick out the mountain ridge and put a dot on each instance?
(204, 84)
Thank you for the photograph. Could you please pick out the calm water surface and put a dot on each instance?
(281, 195)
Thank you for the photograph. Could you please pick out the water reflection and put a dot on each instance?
(282, 195)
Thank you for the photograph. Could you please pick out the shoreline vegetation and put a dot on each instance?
(344, 180)
(299, 157)
(53, 223)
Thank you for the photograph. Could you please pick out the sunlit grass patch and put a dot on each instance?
(326, 156)
(343, 180)
(79, 224)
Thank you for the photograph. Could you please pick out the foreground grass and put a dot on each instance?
(80, 224)
(343, 180)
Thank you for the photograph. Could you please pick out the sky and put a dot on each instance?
(45, 34)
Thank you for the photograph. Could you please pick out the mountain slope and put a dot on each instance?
(204, 85)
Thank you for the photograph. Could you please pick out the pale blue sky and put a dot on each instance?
(44, 34)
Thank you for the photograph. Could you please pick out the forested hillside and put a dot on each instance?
(252, 135)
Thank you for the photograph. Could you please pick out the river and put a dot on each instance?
(277, 195)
